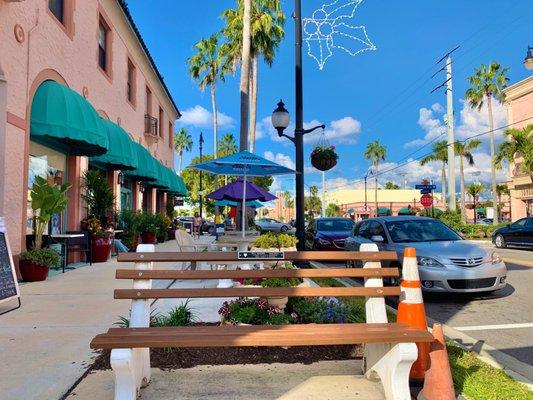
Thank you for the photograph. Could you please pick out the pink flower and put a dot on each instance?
(294, 315)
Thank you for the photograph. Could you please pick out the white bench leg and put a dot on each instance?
(392, 363)
(123, 365)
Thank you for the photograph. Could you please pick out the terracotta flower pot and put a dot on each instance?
(148, 238)
(323, 164)
(100, 249)
(32, 272)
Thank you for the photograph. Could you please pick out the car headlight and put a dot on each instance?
(495, 258)
(324, 242)
(428, 262)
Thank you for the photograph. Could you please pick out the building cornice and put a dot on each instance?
(519, 89)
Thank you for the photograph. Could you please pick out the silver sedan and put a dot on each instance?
(272, 225)
(446, 262)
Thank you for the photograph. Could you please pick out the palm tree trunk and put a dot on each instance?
(492, 166)
(245, 76)
(181, 161)
(215, 120)
(443, 181)
(376, 192)
(462, 172)
(253, 102)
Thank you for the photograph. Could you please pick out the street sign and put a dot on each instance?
(430, 187)
(426, 200)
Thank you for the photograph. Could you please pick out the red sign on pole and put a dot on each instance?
(426, 200)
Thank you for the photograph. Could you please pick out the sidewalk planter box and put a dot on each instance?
(32, 272)
(100, 249)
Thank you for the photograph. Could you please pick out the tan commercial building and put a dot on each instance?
(519, 99)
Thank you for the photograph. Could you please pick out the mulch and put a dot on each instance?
(191, 357)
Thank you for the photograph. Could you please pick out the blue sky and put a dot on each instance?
(382, 94)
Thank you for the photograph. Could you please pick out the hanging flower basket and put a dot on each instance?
(324, 158)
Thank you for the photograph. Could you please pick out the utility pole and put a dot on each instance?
(451, 136)
(404, 181)
(450, 126)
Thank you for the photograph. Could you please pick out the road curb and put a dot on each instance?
(516, 369)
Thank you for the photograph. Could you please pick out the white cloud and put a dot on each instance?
(430, 122)
(482, 165)
(280, 158)
(200, 117)
(474, 122)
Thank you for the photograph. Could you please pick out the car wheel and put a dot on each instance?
(499, 241)
(284, 229)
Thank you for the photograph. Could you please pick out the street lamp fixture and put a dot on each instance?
(120, 180)
(280, 121)
(528, 61)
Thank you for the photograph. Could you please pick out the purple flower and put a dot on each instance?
(294, 315)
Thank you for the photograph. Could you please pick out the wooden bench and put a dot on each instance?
(390, 348)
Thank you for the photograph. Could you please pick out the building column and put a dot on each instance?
(152, 200)
(136, 196)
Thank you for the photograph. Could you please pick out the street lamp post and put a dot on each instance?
(280, 121)
(201, 142)
(369, 172)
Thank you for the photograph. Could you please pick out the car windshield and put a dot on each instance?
(420, 231)
(331, 225)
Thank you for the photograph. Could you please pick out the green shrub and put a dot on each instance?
(252, 311)
(273, 240)
(45, 257)
(148, 223)
(280, 282)
(181, 315)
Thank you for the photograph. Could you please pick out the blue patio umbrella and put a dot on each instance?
(225, 203)
(243, 164)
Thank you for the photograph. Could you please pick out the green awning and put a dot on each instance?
(177, 185)
(121, 154)
(405, 211)
(63, 120)
(162, 181)
(146, 168)
(384, 211)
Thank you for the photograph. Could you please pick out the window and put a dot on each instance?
(148, 101)
(130, 84)
(102, 46)
(57, 7)
(170, 135)
(161, 116)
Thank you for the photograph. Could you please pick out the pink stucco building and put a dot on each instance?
(519, 100)
(93, 48)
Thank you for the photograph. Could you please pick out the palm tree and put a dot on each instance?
(207, 66)
(227, 145)
(375, 152)
(519, 143)
(474, 190)
(287, 201)
(266, 30)
(439, 153)
(463, 151)
(182, 142)
(501, 190)
(245, 75)
(486, 83)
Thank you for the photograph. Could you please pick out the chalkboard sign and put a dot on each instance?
(8, 281)
(261, 255)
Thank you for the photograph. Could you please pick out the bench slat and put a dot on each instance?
(256, 292)
(284, 335)
(262, 273)
(227, 256)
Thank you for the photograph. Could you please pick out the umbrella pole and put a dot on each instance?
(244, 205)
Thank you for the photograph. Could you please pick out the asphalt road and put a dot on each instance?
(503, 319)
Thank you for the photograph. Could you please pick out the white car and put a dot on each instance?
(272, 225)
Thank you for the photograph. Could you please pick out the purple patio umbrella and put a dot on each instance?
(235, 191)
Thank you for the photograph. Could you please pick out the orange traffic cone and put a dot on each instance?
(438, 384)
(411, 309)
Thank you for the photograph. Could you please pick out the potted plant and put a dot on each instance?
(130, 222)
(100, 240)
(171, 230)
(100, 202)
(46, 200)
(163, 223)
(324, 157)
(148, 228)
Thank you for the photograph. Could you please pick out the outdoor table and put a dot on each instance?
(62, 239)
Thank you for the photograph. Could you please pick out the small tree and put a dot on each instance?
(475, 190)
(391, 186)
(333, 210)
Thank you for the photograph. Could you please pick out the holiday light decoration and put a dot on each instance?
(329, 29)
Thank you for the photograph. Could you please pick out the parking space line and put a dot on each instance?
(493, 327)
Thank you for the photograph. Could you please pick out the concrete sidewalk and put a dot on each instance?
(45, 343)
